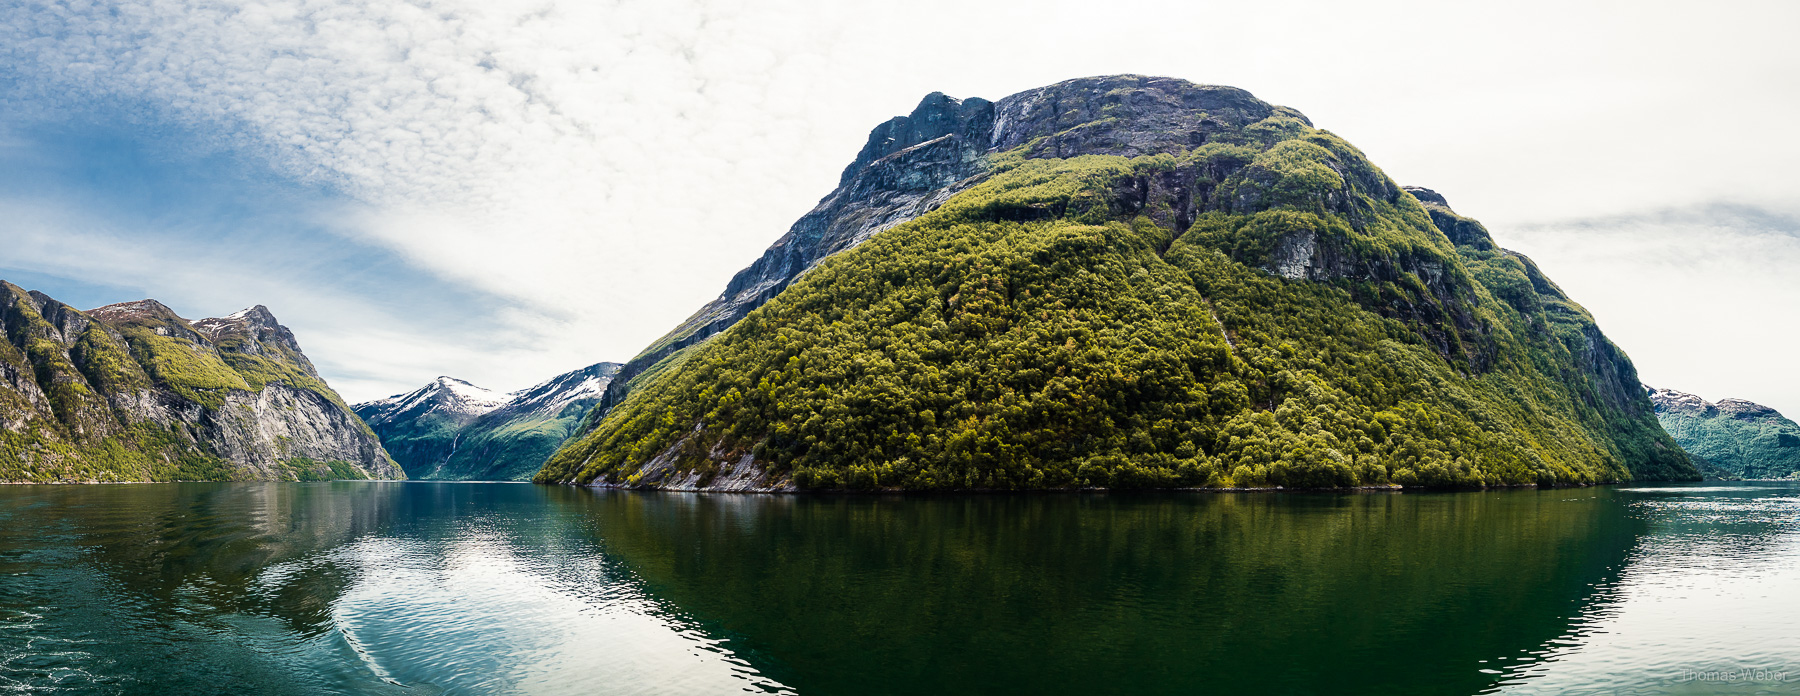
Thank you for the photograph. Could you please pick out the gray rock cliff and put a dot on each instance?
(133, 392)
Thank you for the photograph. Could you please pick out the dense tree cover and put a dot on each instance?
(1735, 439)
(309, 469)
(141, 452)
(1059, 326)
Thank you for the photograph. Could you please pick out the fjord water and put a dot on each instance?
(510, 588)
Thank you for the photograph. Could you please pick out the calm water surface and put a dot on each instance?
(422, 588)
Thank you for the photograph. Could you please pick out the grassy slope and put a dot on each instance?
(1029, 334)
(86, 441)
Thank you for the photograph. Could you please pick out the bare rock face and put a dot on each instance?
(133, 392)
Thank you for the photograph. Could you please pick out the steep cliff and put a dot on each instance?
(1125, 282)
(133, 392)
(1737, 438)
(455, 431)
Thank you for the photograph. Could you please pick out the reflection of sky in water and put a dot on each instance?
(469, 615)
(1705, 606)
(365, 589)
(466, 589)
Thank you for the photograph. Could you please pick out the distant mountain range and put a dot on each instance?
(133, 392)
(1733, 438)
(453, 430)
(1125, 282)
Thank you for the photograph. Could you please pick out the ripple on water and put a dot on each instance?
(468, 616)
(1705, 606)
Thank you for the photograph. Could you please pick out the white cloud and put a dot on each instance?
(366, 349)
(1702, 298)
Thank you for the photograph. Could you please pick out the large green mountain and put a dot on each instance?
(451, 430)
(132, 392)
(1737, 438)
(1126, 282)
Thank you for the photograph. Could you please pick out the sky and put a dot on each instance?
(503, 191)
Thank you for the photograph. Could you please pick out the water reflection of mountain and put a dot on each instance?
(160, 586)
(285, 588)
(1153, 594)
(174, 543)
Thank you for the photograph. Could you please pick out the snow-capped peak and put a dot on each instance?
(555, 394)
(447, 395)
(485, 399)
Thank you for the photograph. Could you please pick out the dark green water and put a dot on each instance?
(422, 588)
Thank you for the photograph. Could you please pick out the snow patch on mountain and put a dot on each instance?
(444, 395)
(453, 430)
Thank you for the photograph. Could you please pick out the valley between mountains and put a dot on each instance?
(1113, 282)
(452, 430)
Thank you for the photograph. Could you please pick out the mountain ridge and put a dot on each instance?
(1737, 437)
(1285, 275)
(133, 392)
(453, 430)
(908, 166)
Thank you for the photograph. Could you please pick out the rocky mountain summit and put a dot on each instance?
(133, 392)
(1738, 437)
(453, 430)
(911, 164)
(1125, 282)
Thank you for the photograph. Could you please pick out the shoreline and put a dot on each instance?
(985, 491)
(1057, 491)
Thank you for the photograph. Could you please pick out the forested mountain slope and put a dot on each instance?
(133, 392)
(1142, 282)
(1740, 438)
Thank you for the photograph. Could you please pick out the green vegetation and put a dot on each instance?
(305, 469)
(141, 452)
(134, 397)
(197, 374)
(1713, 472)
(1048, 329)
(1732, 439)
(511, 449)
